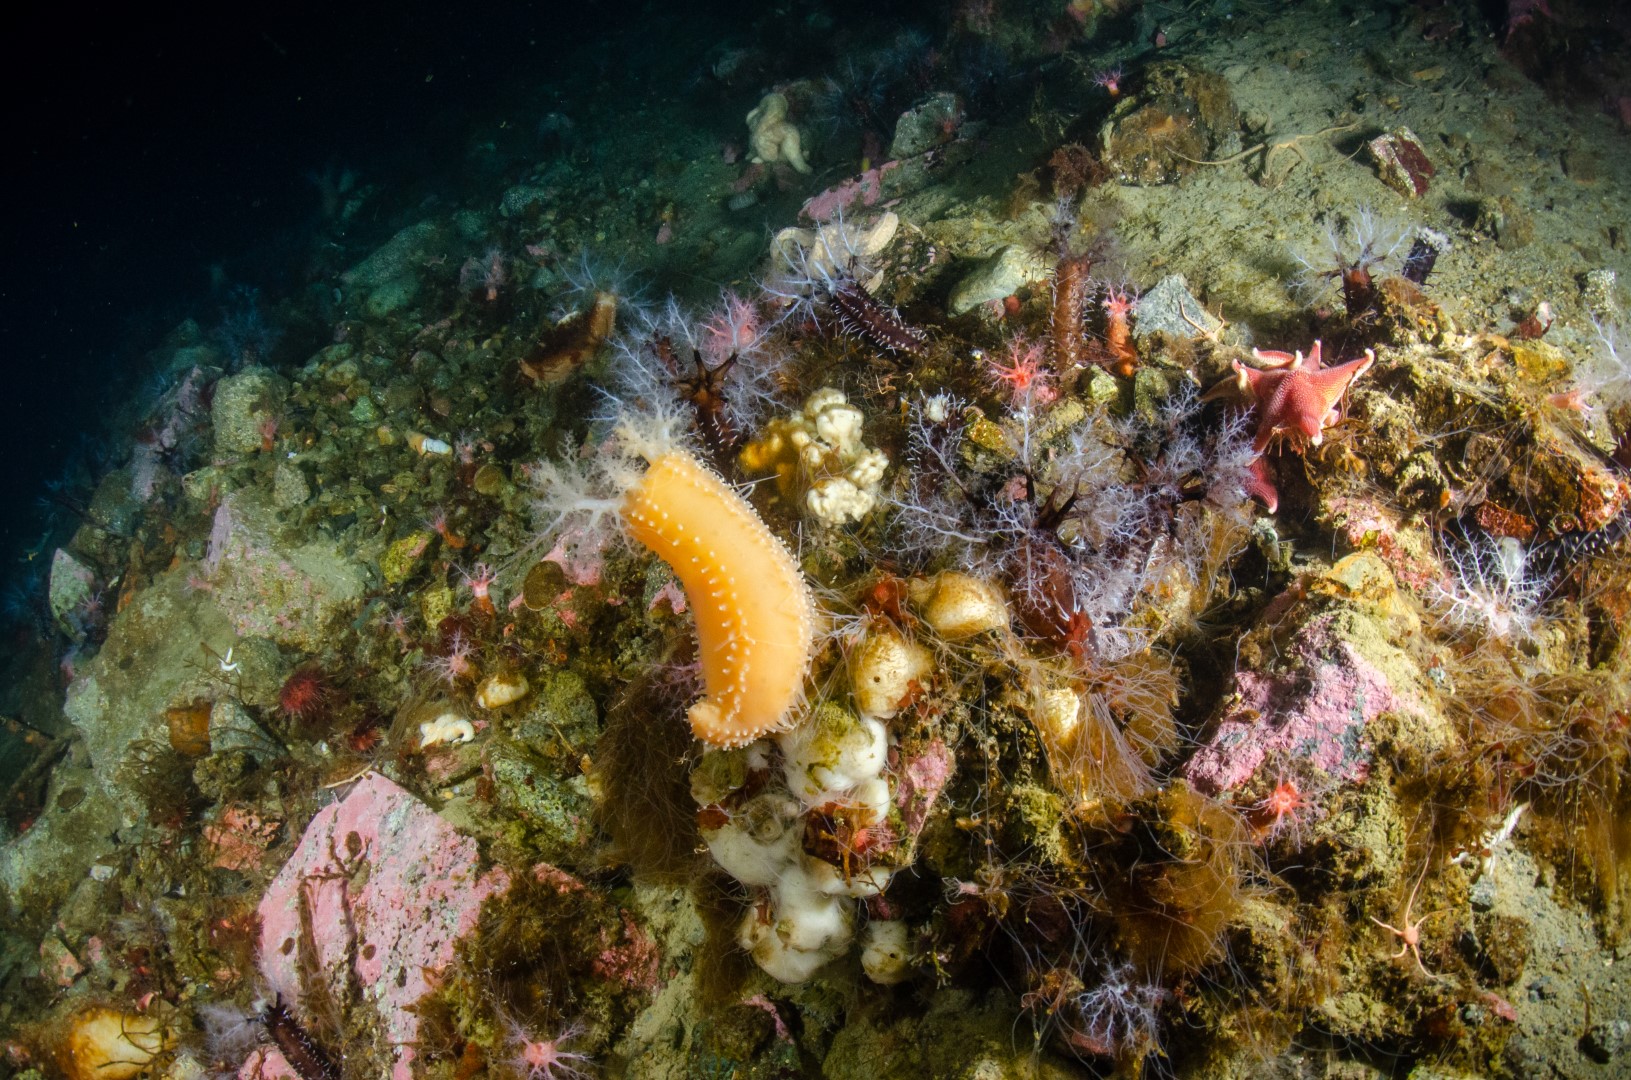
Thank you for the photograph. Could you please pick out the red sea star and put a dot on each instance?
(1294, 395)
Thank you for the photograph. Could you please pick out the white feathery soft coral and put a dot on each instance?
(734, 346)
(1492, 590)
(572, 498)
(1606, 375)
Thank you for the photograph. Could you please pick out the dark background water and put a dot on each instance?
(160, 156)
(159, 160)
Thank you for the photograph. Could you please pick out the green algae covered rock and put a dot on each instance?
(562, 708)
(551, 813)
(389, 279)
(403, 557)
(1180, 117)
(1032, 822)
(536, 770)
(961, 1037)
(155, 656)
(60, 852)
(245, 406)
(71, 587)
(273, 583)
(289, 486)
(1000, 275)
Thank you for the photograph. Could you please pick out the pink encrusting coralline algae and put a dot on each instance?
(865, 189)
(629, 958)
(390, 888)
(1316, 711)
(922, 776)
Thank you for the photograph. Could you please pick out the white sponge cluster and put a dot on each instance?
(819, 450)
(837, 758)
(834, 758)
(847, 471)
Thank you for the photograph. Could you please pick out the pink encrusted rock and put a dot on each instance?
(239, 838)
(267, 1063)
(1339, 658)
(379, 890)
(58, 963)
(558, 880)
(580, 557)
(1407, 547)
(865, 189)
(670, 594)
(628, 957)
(1315, 712)
(922, 777)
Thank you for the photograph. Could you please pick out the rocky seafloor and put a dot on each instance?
(1207, 487)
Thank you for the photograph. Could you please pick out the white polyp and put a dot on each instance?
(832, 754)
(885, 954)
(829, 880)
(759, 841)
(447, 729)
(773, 955)
(871, 796)
(882, 671)
(808, 919)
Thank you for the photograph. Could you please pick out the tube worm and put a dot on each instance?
(1069, 298)
(300, 1050)
(1122, 355)
(861, 315)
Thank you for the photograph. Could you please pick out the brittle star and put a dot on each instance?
(1269, 148)
(1410, 936)
(1210, 335)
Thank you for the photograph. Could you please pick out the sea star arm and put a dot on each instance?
(1332, 383)
(1274, 358)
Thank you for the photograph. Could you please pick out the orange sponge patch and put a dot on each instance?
(755, 627)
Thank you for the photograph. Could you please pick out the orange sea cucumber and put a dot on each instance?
(754, 614)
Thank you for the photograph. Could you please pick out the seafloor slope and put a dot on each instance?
(1143, 569)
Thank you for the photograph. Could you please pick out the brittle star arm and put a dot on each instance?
(1269, 147)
